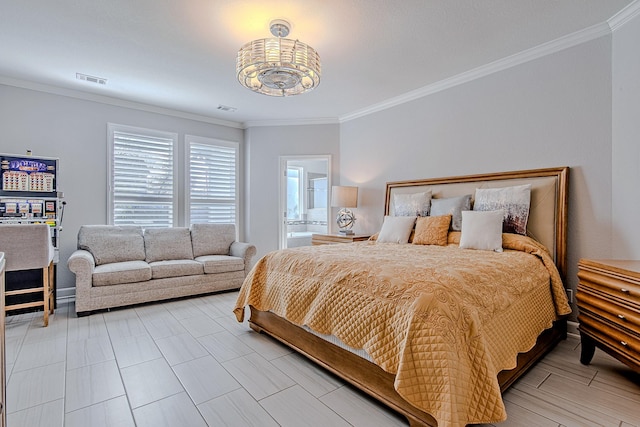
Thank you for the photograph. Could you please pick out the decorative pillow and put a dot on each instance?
(514, 201)
(451, 206)
(432, 230)
(112, 243)
(212, 239)
(482, 230)
(416, 204)
(396, 229)
(163, 244)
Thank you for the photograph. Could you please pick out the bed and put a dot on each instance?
(435, 332)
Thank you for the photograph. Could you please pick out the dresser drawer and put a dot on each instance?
(605, 308)
(612, 288)
(625, 345)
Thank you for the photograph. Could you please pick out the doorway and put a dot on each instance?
(304, 199)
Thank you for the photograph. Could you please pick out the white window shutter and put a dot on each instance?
(212, 180)
(142, 177)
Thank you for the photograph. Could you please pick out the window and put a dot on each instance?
(294, 193)
(142, 184)
(144, 175)
(213, 177)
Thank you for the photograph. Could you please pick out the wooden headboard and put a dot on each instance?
(549, 195)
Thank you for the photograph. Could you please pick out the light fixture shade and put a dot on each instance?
(344, 197)
(278, 66)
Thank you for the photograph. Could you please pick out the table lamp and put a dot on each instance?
(344, 197)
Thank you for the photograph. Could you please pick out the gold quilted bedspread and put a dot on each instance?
(443, 320)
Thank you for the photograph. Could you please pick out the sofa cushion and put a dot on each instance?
(212, 239)
(220, 263)
(118, 273)
(175, 268)
(162, 244)
(112, 243)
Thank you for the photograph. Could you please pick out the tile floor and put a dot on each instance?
(189, 363)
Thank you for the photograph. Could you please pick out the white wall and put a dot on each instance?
(626, 141)
(554, 111)
(75, 131)
(264, 146)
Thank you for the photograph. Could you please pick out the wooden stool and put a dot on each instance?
(47, 295)
(28, 247)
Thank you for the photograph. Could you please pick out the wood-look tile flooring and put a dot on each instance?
(189, 363)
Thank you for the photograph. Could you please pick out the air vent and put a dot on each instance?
(226, 108)
(91, 79)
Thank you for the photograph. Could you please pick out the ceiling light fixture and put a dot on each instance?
(278, 66)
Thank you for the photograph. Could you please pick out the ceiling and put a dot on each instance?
(180, 55)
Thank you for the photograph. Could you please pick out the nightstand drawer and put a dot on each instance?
(608, 297)
(613, 288)
(625, 345)
(604, 308)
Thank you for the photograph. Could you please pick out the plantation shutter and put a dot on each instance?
(142, 175)
(213, 176)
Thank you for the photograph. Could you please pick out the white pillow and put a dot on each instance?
(396, 229)
(482, 230)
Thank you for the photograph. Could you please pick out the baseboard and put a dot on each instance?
(65, 295)
(572, 329)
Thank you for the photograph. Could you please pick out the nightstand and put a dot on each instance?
(330, 239)
(609, 301)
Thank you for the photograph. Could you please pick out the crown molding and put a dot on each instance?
(102, 99)
(291, 122)
(625, 15)
(531, 54)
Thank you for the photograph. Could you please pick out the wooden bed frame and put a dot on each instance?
(549, 194)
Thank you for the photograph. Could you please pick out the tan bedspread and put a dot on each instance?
(444, 320)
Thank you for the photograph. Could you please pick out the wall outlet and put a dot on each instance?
(569, 295)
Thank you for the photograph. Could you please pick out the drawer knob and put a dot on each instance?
(621, 317)
(624, 290)
(624, 343)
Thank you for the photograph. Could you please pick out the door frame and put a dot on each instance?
(282, 196)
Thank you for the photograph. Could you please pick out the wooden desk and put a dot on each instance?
(330, 239)
(609, 301)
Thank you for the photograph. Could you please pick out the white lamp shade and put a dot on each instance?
(344, 197)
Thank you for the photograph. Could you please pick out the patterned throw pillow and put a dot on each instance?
(514, 201)
(432, 230)
(417, 204)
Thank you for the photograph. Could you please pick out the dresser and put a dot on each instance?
(609, 309)
(330, 239)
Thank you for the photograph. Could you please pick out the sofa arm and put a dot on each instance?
(81, 263)
(243, 250)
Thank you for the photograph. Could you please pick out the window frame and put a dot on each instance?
(181, 173)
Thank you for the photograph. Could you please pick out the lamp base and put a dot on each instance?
(347, 232)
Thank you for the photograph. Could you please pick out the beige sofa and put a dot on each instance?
(124, 265)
